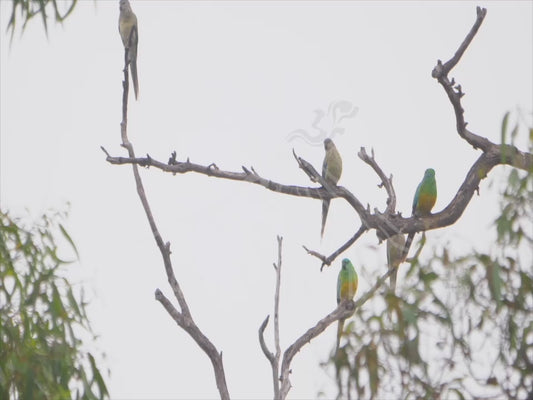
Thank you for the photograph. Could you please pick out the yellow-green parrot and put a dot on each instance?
(127, 26)
(423, 202)
(346, 288)
(331, 172)
(395, 245)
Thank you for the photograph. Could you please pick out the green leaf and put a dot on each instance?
(69, 239)
(39, 348)
(494, 280)
(504, 137)
(505, 121)
(372, 366)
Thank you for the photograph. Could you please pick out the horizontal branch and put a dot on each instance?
(386, 225)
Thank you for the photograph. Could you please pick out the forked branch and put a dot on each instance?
(274, 358)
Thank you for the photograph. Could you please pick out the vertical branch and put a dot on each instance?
(184, 318)
(274, 358)
(276, 319)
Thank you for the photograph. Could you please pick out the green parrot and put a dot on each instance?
(395, 245)
(426, 194)
(425, 198)
(127, 27)
(331, 172)
(346, 288)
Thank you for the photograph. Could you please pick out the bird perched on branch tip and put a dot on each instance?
(129, 33)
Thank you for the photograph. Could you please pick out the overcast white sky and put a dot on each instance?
(227, 82)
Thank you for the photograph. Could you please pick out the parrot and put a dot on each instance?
(346, 288)
(395, 245)
(127, 27)
(423, 202)
(331, 172)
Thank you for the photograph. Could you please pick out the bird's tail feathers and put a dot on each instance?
(133, 67)
(407, 245)
(393, 276)
(325, 209)
(340, 328)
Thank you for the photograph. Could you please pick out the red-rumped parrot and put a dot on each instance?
(346, 288)
(423, 202)
(331, 172)
(127, 26)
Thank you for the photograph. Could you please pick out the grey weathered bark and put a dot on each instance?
(385, 223)
(183, 318)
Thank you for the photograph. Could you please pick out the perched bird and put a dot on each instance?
(331, 172)
(346, 288)
(423, 202)
(395, 245)
(426, 194)
(127, 26)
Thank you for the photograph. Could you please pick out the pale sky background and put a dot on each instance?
(227, 82)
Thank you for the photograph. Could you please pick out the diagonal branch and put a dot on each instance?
(344, 310)
(188, 325)
(385, 182)
(183, 319)
(328, 260)
(268, 354)
(452, 62)
(519, 159)
(440, 72)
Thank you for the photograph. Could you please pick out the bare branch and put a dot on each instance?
(328, 260)
(268, 354)
(183, 319)
(519, 159)
(481, 13)
(276, 306)
(274, 358)
(308, 168)
(188, 325)
(385, 182)
(344, 310)
(384, 224)
(316, 254)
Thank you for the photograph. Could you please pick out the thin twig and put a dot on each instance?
(277, 356)
(268, 354)
(308, 168)
(328, 260)
(386, 182)
(452, 62)
(274, 358)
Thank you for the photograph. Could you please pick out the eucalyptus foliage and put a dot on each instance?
(25, 10)
(462, 325)
(42, 316)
